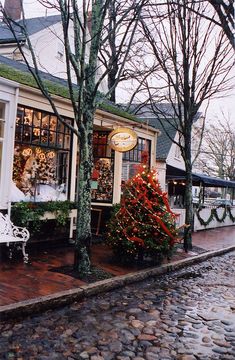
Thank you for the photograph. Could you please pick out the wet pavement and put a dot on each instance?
(185, 315)
(25, 282)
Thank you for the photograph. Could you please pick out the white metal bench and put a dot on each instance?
(9, 233)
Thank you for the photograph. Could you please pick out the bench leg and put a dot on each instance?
(25, 255)
(9, 250)
(10, 253)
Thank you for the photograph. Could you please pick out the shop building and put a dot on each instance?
(39, 154)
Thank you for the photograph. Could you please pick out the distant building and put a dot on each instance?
(46, 36)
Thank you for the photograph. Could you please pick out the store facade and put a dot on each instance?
(39, 154)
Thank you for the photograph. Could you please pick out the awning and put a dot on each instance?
(173, 173)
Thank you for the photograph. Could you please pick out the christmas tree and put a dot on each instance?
(143, 225)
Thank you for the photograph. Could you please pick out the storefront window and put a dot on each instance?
(102, 175)
(131, 159)
(41, 158)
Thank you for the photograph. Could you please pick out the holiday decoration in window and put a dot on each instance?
(41, 158)
(102, 174)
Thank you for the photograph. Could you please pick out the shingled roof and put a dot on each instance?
(22, 67)
(146, 114)
(33, 26)
(19, 72)
(164, 142)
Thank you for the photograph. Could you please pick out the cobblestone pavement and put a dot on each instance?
(185, 315)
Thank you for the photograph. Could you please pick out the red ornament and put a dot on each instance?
(95, 174)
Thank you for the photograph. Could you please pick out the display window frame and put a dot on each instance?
(58, 139)
(103, 168)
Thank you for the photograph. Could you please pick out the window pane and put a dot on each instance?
(60, 126)
(1, 128)
(129, 169)
(60, 140)
(19, 124)
(100, 144)
(53, 123)
(37, 118)
(67, 142)
(28, 117)
(132, 158)
(36, 136)
(2, 111)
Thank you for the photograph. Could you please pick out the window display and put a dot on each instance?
(102, 175)
(41, 158)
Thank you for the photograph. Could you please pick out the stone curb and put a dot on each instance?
(43, 303)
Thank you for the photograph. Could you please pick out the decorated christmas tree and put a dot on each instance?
(143, 225)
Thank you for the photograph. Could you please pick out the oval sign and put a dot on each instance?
(122, 139)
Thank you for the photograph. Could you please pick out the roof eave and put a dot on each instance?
(12, 40)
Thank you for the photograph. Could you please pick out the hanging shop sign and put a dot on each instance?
(122, 139)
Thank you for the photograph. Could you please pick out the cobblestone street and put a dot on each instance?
(185, 315)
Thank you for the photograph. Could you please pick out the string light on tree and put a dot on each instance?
(143, 224)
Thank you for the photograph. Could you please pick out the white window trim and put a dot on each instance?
(8, 96)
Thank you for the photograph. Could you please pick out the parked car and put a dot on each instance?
(222, 202)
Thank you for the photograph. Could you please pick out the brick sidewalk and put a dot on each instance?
(20, 282)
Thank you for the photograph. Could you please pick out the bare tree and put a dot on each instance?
(225, 12)
(224, 18)
(195, 60)
(115, 53)
(217, 155)
(81, 53)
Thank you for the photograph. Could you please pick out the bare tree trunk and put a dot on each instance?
(188, 208)
(83, 233)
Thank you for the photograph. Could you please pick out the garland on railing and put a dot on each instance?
(231, 215)
(214, 215)
(201, 220)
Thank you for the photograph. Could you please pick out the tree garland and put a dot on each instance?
(214, 215)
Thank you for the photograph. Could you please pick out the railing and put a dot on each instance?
(208, 217)
(211, 217)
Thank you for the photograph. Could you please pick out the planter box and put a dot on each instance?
(49, 231)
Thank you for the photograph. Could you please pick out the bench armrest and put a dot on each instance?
(21, 232)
